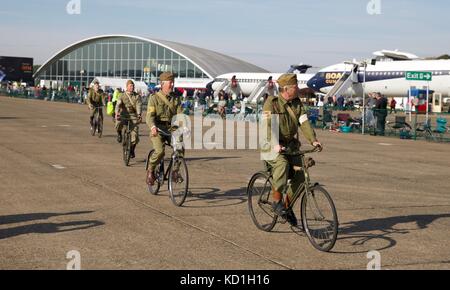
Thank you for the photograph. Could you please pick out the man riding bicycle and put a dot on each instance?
(162, 107)
(291, 115)
(129, 108)
(95, 101)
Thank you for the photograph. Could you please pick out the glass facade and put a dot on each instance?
(120, 58)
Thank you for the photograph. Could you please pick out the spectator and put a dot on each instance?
(393, 104)
(340, 102)
(222, 104)
(380, 113)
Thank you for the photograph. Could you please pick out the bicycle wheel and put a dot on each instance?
(93, 127)
(259, 191)
(126, 148)
(100, 128)
(319, 218)
(178, 181)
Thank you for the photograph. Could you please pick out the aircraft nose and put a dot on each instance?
(312, 83)
(210, 85)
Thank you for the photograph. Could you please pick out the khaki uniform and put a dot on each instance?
(160, 111)
(288, 130)
(131, 106)
(95, 100)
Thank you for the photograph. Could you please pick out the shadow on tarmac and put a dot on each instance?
(43, 228)
(214, 197)
(359, 232)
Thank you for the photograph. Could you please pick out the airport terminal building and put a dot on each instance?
(138, 58)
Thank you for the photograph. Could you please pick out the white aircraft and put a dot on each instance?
(249, 83)
(385, 74)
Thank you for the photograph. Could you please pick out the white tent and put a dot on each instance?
(119, 83)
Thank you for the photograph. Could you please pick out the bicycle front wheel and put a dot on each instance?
(319, 218)
(126, 148)
(259, 192)
(178, 181)
(93, 127)
(100, 128)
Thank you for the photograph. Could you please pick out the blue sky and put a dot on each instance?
(270, 33)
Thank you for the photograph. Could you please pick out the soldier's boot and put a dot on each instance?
(278, 204)
(151, 177)
(91, 121)
(119, 136)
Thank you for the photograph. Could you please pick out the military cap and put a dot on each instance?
(287, 80)
(130, 82)
(167, 76)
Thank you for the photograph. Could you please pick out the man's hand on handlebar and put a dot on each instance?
(318, 145)
(279, 148)
(154, 131)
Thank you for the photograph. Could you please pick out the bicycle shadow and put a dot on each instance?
(214, 197)
(210, 158)
(361, 233)
(43, 228)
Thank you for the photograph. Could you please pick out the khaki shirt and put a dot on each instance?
(130, 103)
(162, 108)
(288, 126)
(95, 98)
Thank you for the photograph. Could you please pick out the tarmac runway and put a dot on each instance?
(62, 190)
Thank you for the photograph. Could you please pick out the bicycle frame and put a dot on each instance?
(305, 187)
(176, 147)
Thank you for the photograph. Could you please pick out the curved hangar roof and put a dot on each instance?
(210, 62)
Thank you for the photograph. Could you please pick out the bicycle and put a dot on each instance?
(126, 141)
(97, 123)
(178, 180)
(317, 206)
(425, 130)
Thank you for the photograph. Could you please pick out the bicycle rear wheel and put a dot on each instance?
(260, 201)
(178, 181)
(319, 218)
(126, 148)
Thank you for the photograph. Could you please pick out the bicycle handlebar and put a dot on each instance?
(300, 152)
(164, 133)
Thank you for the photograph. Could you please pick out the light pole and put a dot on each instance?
(364, 63)
(81, 82)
